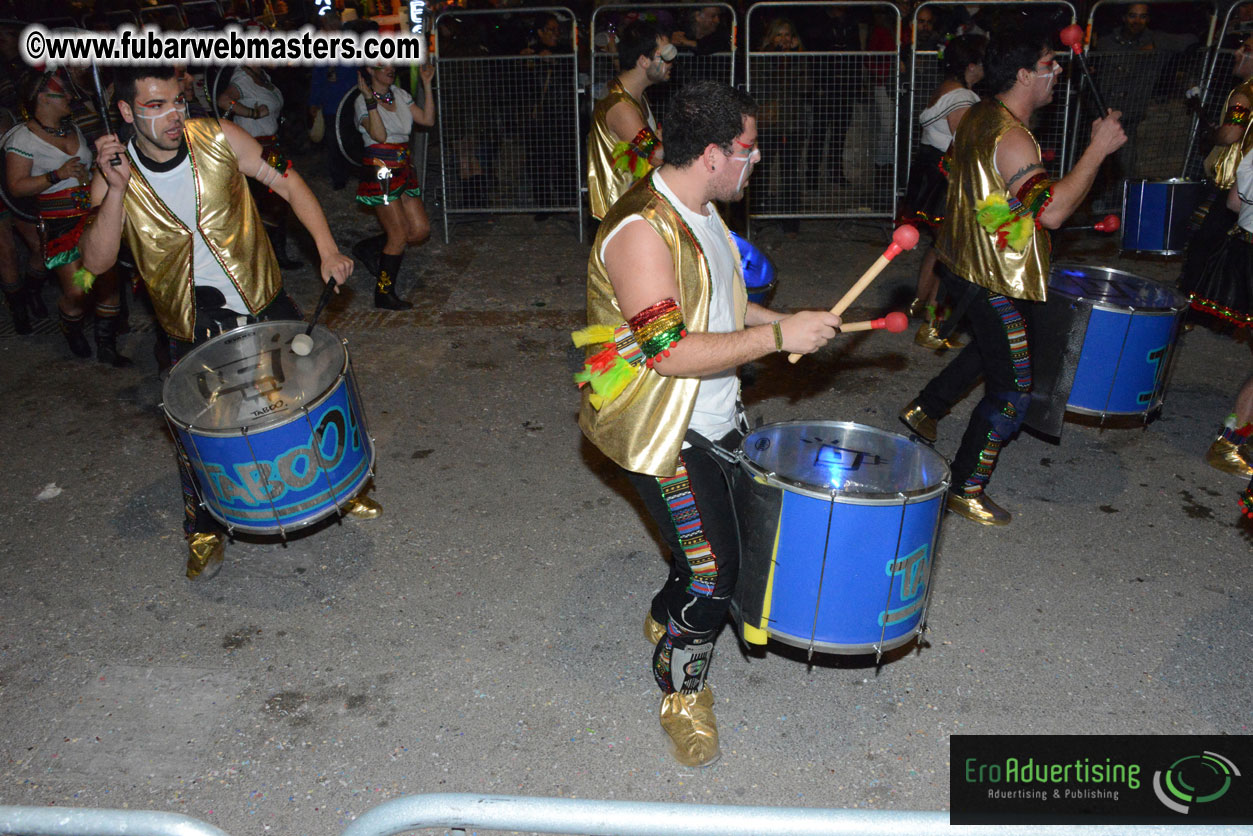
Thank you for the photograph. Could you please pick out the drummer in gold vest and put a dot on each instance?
(179, 174)
(624, 143)
(668, 323)
(994, 256)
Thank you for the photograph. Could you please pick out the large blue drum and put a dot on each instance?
(277, 440)
(839, 524)
(1156, 214)
(758, 270)
(1132, 326)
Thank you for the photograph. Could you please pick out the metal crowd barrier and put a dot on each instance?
(1237, 26)
(1051, 126)
(829, 120)
(689, 66)
(592, 818)
(508, 124)
(1148, 87)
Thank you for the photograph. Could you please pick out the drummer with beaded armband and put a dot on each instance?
(179, 197)
(668, 323)
(624, 142)
(994, 256)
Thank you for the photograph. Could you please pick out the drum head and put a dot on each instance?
(857, 463)
(250, 379)
(1108, 289)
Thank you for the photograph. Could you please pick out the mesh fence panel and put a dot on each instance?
(1052, 122)
(828, 120)
(1220, 80)
(691, 64)
(509, 137)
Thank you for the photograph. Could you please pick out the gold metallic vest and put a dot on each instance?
(605, 184)
(642, 428)
(966, 247)
(225, 214)
(1221, 164)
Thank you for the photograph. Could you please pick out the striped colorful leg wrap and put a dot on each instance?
(1236, 434)
(1010, 414)
(1016, 336)
(677, 491)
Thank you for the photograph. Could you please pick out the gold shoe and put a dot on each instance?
(689, 720)
(928, 336)
(653, 631)
(920, 422)
(978, 507)
(362, 508)
(204, 555)
(1226, 456)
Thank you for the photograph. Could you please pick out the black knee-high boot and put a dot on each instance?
(385, 288)
(368, 251)
(72, 328)
(34, 285)
(16, 299)
(108, 322)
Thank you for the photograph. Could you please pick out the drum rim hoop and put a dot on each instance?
(1180, 299)
(237, 432)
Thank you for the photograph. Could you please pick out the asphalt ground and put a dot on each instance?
(484, 635)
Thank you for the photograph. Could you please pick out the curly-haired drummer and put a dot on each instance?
(994, 257)
(668, 323)
(179, 197)
(625, 141)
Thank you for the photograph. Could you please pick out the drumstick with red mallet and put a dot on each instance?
(894, 323)
(1109, 223)
(1072, 36)
(904, 238)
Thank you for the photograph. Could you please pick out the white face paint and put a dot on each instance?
(179, 107)
(749, 159)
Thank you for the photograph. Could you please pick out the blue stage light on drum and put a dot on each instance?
(759, 273)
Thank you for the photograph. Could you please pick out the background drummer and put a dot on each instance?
(994, 255)
(669, 321)
(176, 175)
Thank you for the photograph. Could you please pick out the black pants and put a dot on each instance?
(195, 517)
(1000, 351)
(695, 515)
(1208, 239)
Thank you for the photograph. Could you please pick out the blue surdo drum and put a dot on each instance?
(277, 440)
(1132, 324)
(839, 524)
(1156, 214)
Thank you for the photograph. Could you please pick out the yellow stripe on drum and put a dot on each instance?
(758, 635)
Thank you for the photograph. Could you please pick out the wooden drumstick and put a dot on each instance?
(894, 322)
(904, 238)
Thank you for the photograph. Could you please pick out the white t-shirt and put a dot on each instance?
(45, 157)
(398, 123)
(1244, 185)
(934, 120)
(716, 398)
(177, 189)
(252, 95)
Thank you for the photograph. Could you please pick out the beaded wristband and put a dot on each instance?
(778, 335)
(658, 329)
(1237, 114)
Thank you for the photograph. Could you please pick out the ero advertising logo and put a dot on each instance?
(1100, 779)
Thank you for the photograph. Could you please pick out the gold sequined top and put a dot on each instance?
(967, 248)
(642, 428)
(605, 184)
(1222, 161)
(227, 217)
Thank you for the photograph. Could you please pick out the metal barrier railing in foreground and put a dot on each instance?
(508, 126)
(828, 120)
(1237, 25)
(580, 816)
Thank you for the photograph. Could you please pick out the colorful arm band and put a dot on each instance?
(1035, 194)
(1237, 114)
(658, 329)
(645, 142)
